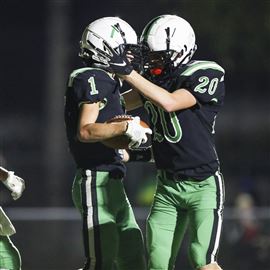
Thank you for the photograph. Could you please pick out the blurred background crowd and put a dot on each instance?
(39, 48)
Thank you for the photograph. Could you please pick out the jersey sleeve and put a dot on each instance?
(90, 87)
(206, 82)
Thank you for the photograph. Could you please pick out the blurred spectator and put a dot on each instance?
(247, 236)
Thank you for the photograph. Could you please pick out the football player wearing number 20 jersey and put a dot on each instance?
(182, 98)
(112, 237)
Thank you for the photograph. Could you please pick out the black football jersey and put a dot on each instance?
(183, 141)
(90, 85)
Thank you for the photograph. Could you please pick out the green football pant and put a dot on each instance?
(180, 205)
(9, 255)
(112, 237)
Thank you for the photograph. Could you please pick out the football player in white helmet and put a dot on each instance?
(10, 258)
(113, 32)
(168, 41)
(182, 98)
(112, 237)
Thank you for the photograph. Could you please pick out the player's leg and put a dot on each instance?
(182, 224)
(205, 239)
(131, 254)
(93, 196)
(10, 258)
(165, 230)
(206, 216)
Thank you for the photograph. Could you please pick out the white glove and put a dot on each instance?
(137, 133)
(14, 184)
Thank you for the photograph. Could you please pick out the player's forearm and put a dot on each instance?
(154, 93)
(96, 132)
(179, 99)
(3, 174)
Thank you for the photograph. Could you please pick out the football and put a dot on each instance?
(122, 141)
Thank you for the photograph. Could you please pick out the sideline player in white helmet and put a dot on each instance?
(10, 258)
(182, 98)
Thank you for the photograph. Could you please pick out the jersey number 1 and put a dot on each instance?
(93, 87)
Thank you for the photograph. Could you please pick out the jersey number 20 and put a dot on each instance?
(159, 113)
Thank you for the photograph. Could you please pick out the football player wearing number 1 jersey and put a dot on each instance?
(112, 237)
(183, 99)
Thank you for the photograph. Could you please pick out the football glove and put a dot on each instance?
(15, 184)
(137, 133)
(118, 62)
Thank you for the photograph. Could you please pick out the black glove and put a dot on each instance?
(118, 62)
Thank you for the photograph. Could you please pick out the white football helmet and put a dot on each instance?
(117, 33)
(169, 41)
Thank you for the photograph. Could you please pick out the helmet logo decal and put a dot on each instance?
(114, 29)
(117, 28)
(168, 39)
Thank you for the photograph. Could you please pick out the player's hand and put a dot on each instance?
(118, 63)
(15, 184)
(137, 133)
(124, 155)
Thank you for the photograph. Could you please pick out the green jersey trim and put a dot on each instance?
(75, 73)
(202, 65)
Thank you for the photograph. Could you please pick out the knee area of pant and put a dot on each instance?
(197, 258)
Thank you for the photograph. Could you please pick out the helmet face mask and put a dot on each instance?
(113, 31)
(168, 41)
(160, 62)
